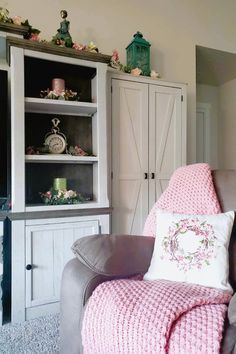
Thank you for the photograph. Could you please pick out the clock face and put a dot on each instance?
(56, 143)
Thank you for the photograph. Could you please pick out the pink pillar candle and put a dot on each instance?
(58, 85)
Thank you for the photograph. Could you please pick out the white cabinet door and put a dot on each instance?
(48, 248)
(148, 136)
(165, 137)
(129, 156)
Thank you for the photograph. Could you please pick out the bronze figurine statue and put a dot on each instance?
(63, 36)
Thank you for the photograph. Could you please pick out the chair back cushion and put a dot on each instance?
(225, 186)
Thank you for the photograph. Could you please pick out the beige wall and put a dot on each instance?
(173, 27)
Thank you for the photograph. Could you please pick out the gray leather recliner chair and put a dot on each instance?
(101, 258)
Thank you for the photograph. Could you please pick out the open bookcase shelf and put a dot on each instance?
(49, 106)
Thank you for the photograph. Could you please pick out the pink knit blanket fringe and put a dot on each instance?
(137, 317)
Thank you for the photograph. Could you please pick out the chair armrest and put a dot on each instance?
(229, 342)
(78, 283)
(115, 255)
(232, 310)
(99, 258)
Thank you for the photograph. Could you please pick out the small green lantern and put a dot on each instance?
(138, 54)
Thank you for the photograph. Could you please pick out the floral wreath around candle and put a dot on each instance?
(58, 197)
(204, 252)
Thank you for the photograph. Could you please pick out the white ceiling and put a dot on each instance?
(214, 67)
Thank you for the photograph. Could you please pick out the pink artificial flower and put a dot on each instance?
(17, 20)
(80, 152)
(78, 46)
(48, 194)
(34, 37)
(136, 72)
(60, 194)
(115, 55)
(70, 194)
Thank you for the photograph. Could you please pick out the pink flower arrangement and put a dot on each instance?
(58, 197)
(67, 95)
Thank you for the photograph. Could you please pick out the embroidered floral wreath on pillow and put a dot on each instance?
(201, 249)
(192, 248)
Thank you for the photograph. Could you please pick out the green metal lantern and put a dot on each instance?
(138, 54)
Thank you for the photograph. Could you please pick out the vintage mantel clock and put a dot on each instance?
(55, 140)
(138, 54)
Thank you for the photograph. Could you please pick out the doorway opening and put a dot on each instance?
(216, 107)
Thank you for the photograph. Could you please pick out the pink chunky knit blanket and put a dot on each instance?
(190, 191)
(155, 317)
(132, 316)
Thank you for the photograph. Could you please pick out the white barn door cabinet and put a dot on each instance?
(148, 144)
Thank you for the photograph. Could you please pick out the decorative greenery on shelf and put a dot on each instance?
(59, 197)
(66, 95)
(5, 203)
(116, 64)
(32, 33)
(77, 151)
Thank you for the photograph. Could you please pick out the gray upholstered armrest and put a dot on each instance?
(78, 283)
(232, 310)
(99, 258)
(229, 343)
(115, 255)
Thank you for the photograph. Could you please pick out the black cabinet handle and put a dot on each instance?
(152, 175)
(145, 175)
(28, 267)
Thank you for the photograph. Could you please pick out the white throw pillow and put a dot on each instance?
(192, 249)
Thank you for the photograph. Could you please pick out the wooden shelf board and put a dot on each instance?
(12, 28)
(57, 50)
(43, 207)
(43, 105)
(60, 158)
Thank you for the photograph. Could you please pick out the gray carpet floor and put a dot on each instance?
(37, 336)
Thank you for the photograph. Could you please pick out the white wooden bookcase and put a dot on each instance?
(43, 234)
